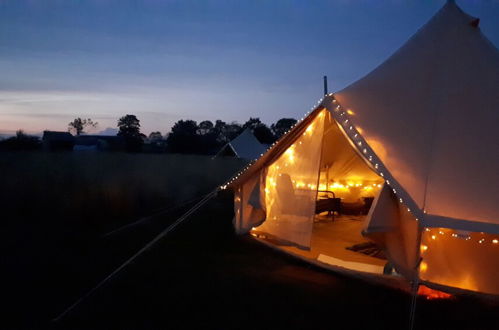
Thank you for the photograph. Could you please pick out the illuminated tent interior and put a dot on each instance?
(415, 142)
(317, 194)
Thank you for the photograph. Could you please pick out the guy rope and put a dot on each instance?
(155, 240)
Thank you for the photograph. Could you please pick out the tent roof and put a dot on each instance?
(430, 113)
(246, 146)
(426, 121)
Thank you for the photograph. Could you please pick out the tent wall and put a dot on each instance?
(430, 113)
(276, 150)
(291, 187)
(343, 170)
(249, 206)
(391, 226)
(466, 260)
(426, 121)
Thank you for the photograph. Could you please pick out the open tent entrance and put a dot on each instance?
(316, 198)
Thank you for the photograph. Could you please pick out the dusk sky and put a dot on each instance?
(170, 60)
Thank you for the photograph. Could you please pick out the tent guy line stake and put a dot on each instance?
(205, 199)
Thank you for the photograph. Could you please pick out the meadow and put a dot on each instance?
(58, 208)
(102, 190)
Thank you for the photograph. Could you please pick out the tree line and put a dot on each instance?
(186, 136)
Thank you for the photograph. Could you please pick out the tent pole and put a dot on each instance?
(325, 85)
(415, 281)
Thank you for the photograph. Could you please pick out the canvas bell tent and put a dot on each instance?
(245, 146)
(403, 163)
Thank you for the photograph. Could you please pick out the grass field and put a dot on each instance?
(201, 276)
(57, 206)
(103, 189)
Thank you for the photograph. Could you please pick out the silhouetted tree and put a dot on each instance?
(219, 130)
(154, 136)
(205, 127)
(282, 126)
(225, 132)
(232, 130)
(78, 125)
(187, 136)
(260, 130)
(20, 142)
(129, 129)
(183, 137)
(252, 123)
(264, 134)
(209, 136)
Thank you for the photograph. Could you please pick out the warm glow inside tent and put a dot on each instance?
(404, 161)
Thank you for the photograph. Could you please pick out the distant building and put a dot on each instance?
(58, 141)
(99, 143)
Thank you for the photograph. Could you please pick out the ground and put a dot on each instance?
(203, 276)
(200, 276)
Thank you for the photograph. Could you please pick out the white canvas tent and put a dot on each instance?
(424, 124)
(245, 146)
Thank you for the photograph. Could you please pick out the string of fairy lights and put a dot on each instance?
(344, 118)
(252, 162)
(434, 233)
